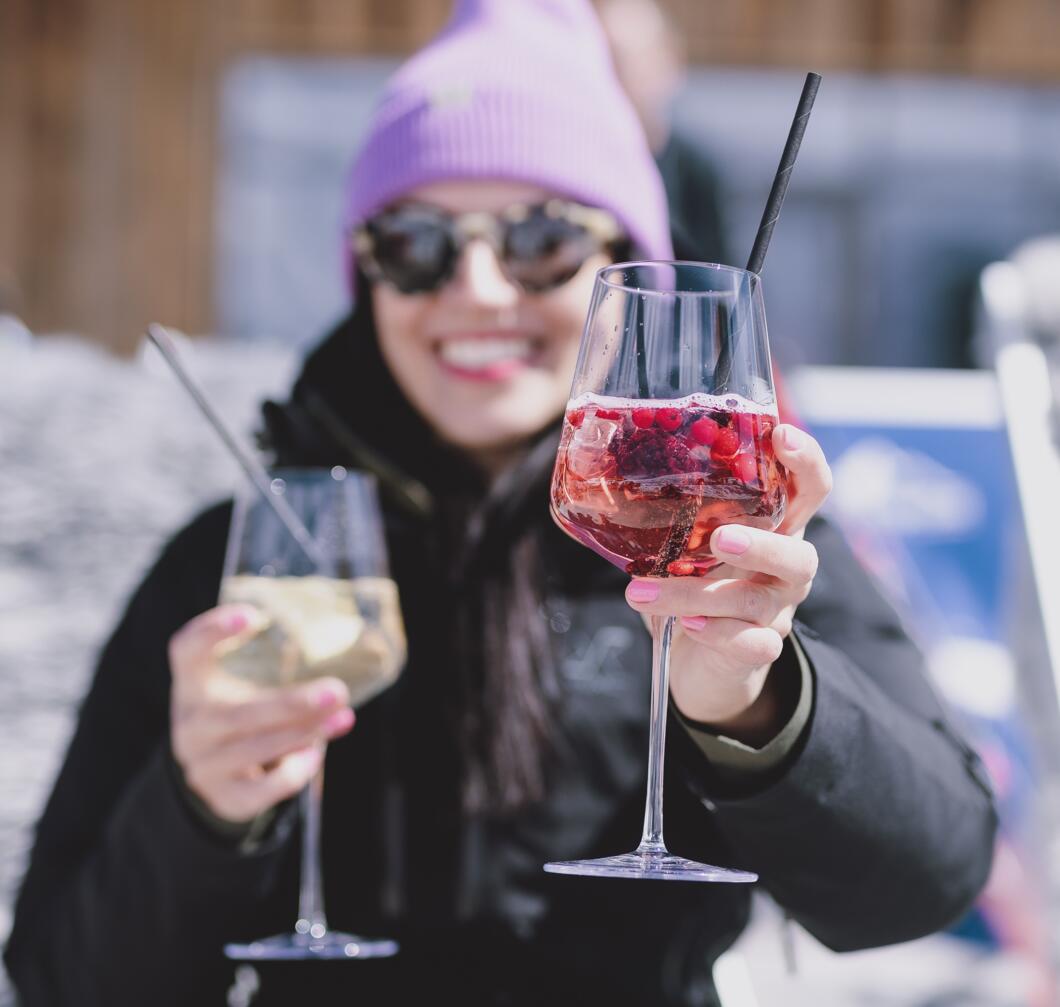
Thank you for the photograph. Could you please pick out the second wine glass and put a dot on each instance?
(342, 620)
(667, 436)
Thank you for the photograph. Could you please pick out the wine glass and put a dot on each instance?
(667, 435)
(338, 615)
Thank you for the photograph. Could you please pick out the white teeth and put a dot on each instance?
(475, 354)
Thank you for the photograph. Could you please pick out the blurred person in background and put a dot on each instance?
(649, 61)
(808, 749)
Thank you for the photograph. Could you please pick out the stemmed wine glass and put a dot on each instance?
(667, 436)
(335, 613)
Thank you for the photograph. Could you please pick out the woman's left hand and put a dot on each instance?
(732, 623)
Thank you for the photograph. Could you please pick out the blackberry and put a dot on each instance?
(650, 453)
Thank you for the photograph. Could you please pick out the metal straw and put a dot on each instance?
(250, 465)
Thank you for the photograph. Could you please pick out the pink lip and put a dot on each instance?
(500, 371)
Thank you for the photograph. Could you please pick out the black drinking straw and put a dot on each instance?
(780, 182)
(727, 353)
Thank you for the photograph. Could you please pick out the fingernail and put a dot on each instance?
(237, 620)
(732, 540)
(642, 591)
(326, 695)
(694, 622)
(792, 437)
(339, 721)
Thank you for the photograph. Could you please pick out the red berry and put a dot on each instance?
(705, 431)
(669, 419)
(745, 468)
(681, 568)
(643, 418)
(608, 414)
(576, 417)
(726, 444)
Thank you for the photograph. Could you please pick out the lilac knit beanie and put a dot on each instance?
(518, 90)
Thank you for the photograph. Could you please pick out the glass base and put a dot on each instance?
(659, 866)
(330, 944)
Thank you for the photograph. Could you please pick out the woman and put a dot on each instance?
(503, 168)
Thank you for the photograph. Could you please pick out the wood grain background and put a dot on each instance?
(108, 117)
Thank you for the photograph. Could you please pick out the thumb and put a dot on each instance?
(193, 647)
(809, 477)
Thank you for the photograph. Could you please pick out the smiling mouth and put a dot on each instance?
(487, 357)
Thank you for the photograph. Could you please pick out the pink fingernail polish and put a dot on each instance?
(642, 591)
(732, 540)
(327, 695)
(792, 437)
(236, 621)
(339, 720)
(694, 622)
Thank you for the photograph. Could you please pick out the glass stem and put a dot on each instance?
(311, 919)
(662, 629)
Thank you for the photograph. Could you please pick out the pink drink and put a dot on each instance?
(645, 483)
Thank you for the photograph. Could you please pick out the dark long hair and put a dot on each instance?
(505, 678)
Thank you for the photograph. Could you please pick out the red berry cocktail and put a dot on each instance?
(645, 483)
(668, 435)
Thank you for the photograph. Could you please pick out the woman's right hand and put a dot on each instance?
(243, 747)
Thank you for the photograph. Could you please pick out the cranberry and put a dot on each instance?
(669, 419)
(608, 414)
(576, 417)
(705, 430)
(726, 444)
(643, 418)
(745, 468)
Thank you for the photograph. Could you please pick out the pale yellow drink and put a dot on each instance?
(316, 626)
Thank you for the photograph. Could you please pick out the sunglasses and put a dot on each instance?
(415, 247)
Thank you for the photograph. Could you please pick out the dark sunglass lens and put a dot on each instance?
(543, 252)
(415, 253)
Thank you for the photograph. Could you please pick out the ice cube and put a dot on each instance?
(589, 452)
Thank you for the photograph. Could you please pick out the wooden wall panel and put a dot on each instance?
(108, 109)
(111, 164)
(998, 38)
(329, 26)
(48, 135)
(14, 137)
